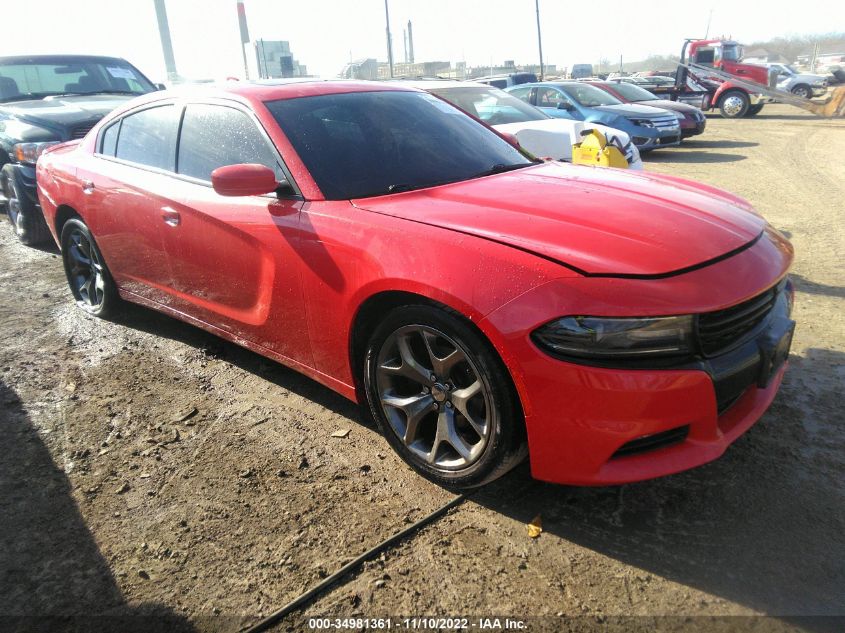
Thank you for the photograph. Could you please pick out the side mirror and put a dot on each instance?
(564, 105)
(161, 86)
(243, 180)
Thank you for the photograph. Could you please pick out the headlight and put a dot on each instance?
(608, 338)
(642, 122)
(29, 152)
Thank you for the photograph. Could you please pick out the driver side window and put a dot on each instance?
(215, 136)
(549, 98)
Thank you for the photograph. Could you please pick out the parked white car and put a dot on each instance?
(537, 132)
(804, 85)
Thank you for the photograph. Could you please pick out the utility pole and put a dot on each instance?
(244, 35)
(166, 44)
(389, 40)
(709, 18)
(539, 37)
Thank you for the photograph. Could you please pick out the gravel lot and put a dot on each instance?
(150, 468)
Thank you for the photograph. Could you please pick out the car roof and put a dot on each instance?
(46, 59)
(275, 90)
(557, 82)
(428, 84)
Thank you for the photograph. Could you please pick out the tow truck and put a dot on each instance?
(711, 75)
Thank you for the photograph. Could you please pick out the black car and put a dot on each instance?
(45, 100)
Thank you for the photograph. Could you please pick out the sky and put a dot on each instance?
(326, 34)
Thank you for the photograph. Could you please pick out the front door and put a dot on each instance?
(553, 102)
(233, 259)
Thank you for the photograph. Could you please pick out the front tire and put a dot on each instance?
(26, 219)
(88, 277)
(734, 104)
(442, 397)
(803, 90)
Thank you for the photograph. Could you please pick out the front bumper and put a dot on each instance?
(583, 420)
(23, 177)
(691, 127)
(649, 138)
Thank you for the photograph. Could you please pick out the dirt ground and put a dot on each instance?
(147, 468)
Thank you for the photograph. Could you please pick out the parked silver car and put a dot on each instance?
(803, 85)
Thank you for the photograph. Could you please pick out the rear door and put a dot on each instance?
(126, 184)
(233, 259)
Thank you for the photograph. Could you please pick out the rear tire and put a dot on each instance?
(27, 220)
(734, 104)
(754, 110)
(88, 277)
(442, 397)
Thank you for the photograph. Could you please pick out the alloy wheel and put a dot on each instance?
(13, 209)
(434, 397)
(733, 105)
(87, 276)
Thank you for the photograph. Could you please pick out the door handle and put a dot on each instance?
(88, 186)
(170, 216)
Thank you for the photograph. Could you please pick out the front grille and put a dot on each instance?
(720, 330)
(668, 140)
(653, 442)
(665, 122)
(81, 130)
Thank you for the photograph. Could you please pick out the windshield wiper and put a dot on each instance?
(500, 168)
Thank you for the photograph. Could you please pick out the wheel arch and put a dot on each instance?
(366, 319)
(64, 212)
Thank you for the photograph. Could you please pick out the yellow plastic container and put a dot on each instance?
(595, 150)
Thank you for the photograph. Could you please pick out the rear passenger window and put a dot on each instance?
(108, 144)
(149, 137)
(215, 136)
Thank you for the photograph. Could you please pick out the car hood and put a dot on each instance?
(631, 109)
(554, 137)
(64, 112)
(665, 104)
(809, 78)
(595, 221)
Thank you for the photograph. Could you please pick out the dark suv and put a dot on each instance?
(45, 100)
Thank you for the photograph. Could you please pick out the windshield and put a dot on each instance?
(22, 79)
(589, 96)
(731, 52)
(364, 144)
(494, 107)
(633, 93)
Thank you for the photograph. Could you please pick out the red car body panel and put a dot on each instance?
(286, 278)
(535, 209)
(617, 405)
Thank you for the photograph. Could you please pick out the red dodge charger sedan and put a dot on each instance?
(613, 326)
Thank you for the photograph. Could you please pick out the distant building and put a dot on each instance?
(361, 69)
(509, 66)
(421, 69)
(275, 60)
